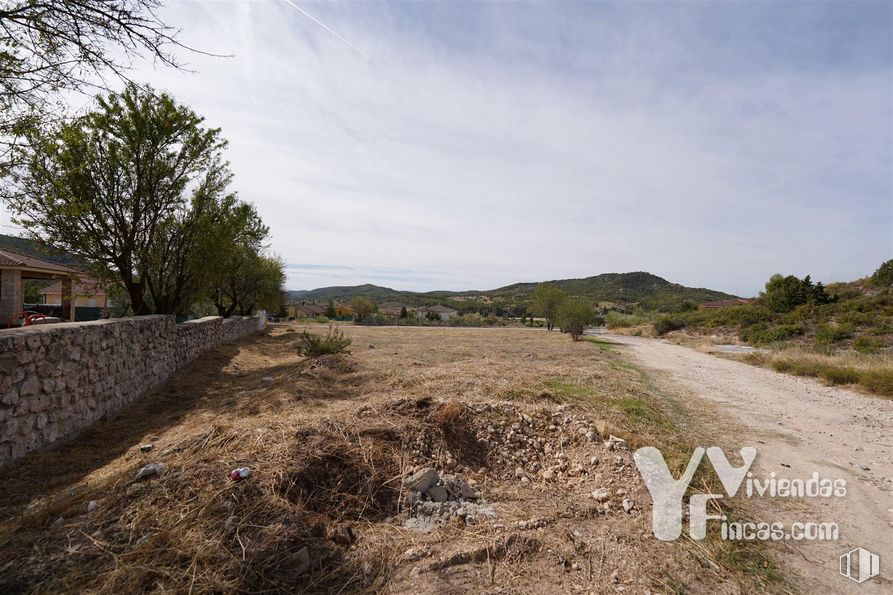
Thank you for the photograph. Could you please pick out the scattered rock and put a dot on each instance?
(548, 475)
(92, 505)
(429, 515)
(342, 536)
(150, 470)
(371, 346)
(422, 480)
(146, 447)
(416, 553)
(601, 495)
(864, 467)
(613, 442)
(536, 523)
(302, 560)
(267, 379)
(466, 491)
(628, 504)
(438, 494)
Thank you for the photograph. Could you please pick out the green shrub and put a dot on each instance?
(856, 318)
(574, 315)
(840, 375)
(878, 381)
(310, 345)
(618, 320)
(866, 344)
(763, 334)
(884, 275)
(826, 334)
(782, 365)
(665, 324)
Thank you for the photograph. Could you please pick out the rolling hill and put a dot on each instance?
(640, 288)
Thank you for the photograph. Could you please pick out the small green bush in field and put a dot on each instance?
(878, 381)
(865, 344)
(310, 345)
(665, 324)
(827, 334)
(840, 375)
(618, 320)
(782, 365)
(763, 334)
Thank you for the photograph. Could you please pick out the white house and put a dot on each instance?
(444, 312)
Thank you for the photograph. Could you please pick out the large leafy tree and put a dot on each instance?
(783, 294)
(233, 249)
(362, 308)
(257, 283)
(47, 48)
(883, 276)
(574, 315)
(545, 301)
(129, 186)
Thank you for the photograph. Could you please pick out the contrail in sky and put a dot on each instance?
(332, 33)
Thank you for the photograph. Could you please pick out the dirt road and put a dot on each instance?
(798, 426)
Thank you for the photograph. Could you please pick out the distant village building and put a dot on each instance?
(391, 308)
(343, 310)
(444, 312)
(305, 309)
(88, 293)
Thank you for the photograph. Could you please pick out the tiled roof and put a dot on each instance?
(440, 309)
(8, 258)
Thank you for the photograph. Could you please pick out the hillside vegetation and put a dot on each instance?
(842, 334)
(622, 290)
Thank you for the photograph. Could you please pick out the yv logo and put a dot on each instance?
(667, 493)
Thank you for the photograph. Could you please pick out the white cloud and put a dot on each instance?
(485, 144)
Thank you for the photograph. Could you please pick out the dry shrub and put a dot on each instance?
(878, 381)
(311, 345)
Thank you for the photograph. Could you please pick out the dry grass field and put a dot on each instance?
(329, 441)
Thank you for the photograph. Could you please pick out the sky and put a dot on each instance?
(469, 145)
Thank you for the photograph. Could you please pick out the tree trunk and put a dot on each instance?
(137, 303)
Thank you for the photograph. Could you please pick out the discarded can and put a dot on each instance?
(240, 474)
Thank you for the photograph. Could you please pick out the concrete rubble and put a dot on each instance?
(432, 499)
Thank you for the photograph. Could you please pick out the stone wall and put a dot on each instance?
(56, 379)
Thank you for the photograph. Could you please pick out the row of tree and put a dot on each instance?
(138, 186)
(572, 314)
